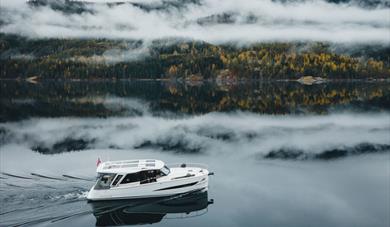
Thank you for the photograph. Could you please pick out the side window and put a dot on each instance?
(131, 178)
(148, 176)
(116, 180)
(143, 177)
(104, 180)
(158, 173)
(165, 170)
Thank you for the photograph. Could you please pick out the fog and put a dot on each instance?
(214, 21)
(220, 134)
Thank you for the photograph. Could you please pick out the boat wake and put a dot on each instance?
(25, 206)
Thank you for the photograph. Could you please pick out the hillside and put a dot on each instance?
(170, 59)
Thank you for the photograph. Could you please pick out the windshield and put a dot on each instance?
(165, 170)
(104, 180)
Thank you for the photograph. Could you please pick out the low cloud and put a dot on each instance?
(214, 21)
(293, 137)
(129, 52)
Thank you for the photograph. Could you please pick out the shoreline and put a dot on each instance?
(180, 80)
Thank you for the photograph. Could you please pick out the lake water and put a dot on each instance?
(283, 153)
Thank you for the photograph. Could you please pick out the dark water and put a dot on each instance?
(284, 154)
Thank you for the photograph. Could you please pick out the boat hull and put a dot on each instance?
(151, 190)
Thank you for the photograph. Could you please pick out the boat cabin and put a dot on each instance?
(129, 173)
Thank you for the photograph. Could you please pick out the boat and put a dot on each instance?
(146, 178)
(150, 210)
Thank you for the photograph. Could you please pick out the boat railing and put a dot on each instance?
(198, 165)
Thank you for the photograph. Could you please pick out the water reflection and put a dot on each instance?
(136, 212)
(342, 167)
(20, 100)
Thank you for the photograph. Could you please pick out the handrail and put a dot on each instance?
(199, 165)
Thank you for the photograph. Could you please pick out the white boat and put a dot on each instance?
(146, 178)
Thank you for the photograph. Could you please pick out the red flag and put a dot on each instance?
(98, 162)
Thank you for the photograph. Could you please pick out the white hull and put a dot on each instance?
(173, 184)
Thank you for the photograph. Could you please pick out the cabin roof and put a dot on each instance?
(129, 166)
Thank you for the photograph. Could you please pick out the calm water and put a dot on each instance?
(284, 154)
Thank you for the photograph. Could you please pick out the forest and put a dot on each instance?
(167, 59)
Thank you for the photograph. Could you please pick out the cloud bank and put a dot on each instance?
(261, 136)
(214, 21)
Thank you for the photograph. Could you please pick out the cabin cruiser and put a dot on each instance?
(150, 210)
(131, 179)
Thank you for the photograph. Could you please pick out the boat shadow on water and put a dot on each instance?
(151, 210)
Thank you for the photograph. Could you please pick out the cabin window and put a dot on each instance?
(143, 177)
(117, 178)
(130, 178)
(165, 170)
(104, 180)
(148, 176)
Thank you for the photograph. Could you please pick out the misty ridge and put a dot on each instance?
(194, 39)
(208, 20)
